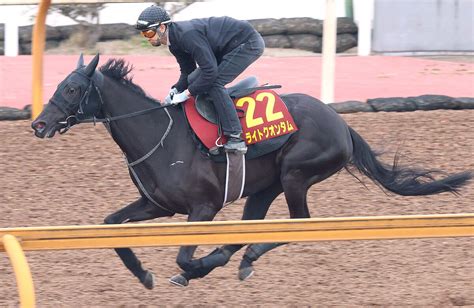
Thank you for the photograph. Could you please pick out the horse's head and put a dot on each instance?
(77, 97)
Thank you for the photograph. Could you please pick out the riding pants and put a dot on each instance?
(231, 66)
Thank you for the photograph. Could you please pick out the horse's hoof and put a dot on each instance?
(246, 272)
(179, 280)
(149, 280)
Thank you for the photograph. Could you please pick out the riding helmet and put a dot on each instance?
(152, 17)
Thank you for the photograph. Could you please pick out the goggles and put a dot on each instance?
(149, 33)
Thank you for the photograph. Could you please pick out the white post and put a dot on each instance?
(329, 53)
(364, 15)
(11, 38)
(11, 33)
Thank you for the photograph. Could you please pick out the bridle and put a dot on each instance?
(84, 115)
(85, 103)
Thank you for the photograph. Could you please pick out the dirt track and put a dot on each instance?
(80, 177)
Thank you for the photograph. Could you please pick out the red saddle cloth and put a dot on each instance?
(265, 117)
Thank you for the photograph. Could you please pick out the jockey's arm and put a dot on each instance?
(186, 65)
(203, 55)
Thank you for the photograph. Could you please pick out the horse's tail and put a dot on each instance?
(402, 180)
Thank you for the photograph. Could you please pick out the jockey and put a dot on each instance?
(211, 53)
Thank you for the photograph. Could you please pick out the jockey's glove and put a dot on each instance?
(170, 95)
(179, 98)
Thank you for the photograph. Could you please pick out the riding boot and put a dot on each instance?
(229, 119)
(235, 143)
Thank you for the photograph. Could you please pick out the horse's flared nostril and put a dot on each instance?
(39, 128)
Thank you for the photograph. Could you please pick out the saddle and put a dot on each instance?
(265, 119)
(205, 106)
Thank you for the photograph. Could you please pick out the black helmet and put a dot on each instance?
(152, 17)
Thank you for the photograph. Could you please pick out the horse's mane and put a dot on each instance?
(118, 70)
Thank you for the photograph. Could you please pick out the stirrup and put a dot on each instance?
(235, 147)
(216, 150)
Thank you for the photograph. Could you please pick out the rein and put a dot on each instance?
(75, 119)
(120, 117)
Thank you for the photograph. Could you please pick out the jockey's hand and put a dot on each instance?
(170, 95)
(180, 97)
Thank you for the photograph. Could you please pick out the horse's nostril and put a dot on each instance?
(39, 126)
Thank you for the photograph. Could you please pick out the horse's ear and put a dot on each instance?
(90, 69)
(80, 62)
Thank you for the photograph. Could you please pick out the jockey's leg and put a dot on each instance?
(194, 75)
(227, 113)
(139, 210)
(231, 66)
(223, 104)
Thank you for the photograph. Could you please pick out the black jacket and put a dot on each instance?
(204, 42)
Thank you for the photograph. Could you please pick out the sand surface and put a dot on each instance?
(80, 177)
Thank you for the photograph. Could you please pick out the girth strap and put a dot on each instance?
(235, 177)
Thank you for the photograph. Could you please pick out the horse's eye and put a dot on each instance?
(71, 91)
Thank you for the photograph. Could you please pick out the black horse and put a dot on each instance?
(155, 138)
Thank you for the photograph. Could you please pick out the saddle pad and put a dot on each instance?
(266, 117)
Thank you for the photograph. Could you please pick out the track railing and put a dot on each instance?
(215, 233)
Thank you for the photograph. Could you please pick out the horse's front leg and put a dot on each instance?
(186, 253)
(139, 210)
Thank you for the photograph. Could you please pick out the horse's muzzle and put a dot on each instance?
(42, 129)
(48, 122)
(39, 127)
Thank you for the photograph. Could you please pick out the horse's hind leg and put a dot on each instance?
(295, 193)
(298, 174)
(139, 210)
(256, 207)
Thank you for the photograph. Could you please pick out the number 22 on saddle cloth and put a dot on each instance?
(265, 117)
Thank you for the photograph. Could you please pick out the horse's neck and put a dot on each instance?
(135, 135)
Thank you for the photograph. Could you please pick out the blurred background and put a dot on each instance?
(392, 56)
(404, 29)
(404, 26)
